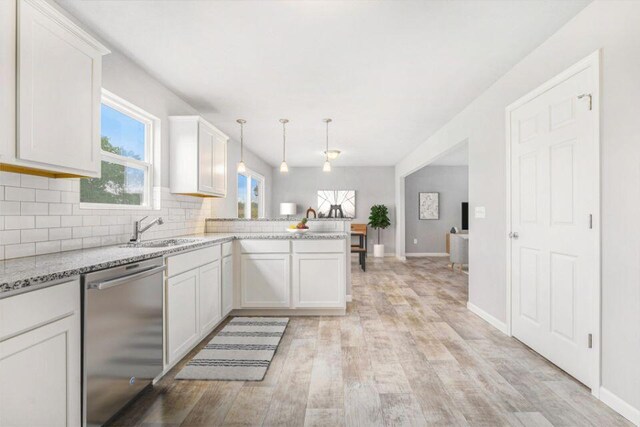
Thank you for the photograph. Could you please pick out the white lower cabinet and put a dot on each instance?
(210, 297)
(318, 280)
(227, 285)
(182, 314)
(40, 352)
(264, 280)
(193, 300)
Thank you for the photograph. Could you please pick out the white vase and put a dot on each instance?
(378, 251)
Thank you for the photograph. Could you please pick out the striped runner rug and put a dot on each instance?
(241, 351)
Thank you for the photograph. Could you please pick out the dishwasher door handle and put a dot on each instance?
(106, 284)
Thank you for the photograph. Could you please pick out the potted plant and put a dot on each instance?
(379, 219)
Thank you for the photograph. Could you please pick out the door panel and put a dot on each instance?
(58, 94)
(554, 258)
(265, 280)
(209, 297)
(182, 314)
(206, 154)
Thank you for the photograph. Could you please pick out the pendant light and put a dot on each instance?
(283, 166)
(327, 165)
(241, 166)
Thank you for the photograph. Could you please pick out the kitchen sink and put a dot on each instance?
(159, 243)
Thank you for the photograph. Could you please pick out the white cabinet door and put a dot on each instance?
(227, 285)
(209, 297)
(318, 280)
(264, 280)
(59, 81)
(40, 373)
(220, 165)
(206, 154)
(182, 314)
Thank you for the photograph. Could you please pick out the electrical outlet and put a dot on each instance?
(415, 241)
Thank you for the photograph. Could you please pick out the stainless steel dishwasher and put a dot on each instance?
(122, 336)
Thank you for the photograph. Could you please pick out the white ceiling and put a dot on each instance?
(457, 156)
(389, 73)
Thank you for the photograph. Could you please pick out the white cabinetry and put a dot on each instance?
(264, 280)
(193, 299)
(209, 298)
(198, 161)
(40, 357)
(227, 278)
(182, 314)
(318, 280)
(57, 91)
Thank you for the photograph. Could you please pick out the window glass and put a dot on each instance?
(121, 134)
(118, 184)
(242, 195)
(255, 198)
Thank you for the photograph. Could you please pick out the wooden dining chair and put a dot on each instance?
(361, 247)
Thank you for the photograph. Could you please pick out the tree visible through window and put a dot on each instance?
(126, 144)
(250, 190)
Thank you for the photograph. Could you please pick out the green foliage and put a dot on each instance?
(112, 187)
(379, 218)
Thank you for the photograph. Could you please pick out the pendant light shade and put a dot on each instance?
(283, 166)
(241, 166)
(327, 164)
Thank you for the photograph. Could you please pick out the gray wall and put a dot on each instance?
(612, 27)
(373, 186)
(452, 182)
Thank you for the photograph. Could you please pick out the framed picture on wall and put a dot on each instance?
(429, 205)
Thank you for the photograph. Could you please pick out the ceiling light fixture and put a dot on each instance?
(332, 154)
(327, 165)
(241, 166)
(283, 166)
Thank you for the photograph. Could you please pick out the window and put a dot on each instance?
(250, 195)
(127, 134)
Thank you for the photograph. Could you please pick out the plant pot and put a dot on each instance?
(378, 251)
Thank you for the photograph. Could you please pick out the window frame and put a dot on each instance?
(249, 174)
(152, 133)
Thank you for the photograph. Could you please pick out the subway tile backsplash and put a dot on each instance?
(41, 215)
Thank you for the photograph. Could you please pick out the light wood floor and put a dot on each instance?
(408, 352)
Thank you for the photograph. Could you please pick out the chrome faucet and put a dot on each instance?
(137, 230)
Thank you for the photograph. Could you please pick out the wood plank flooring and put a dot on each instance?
(408, 353)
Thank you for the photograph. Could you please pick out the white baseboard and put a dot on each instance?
(349, 298)
(620, 406)
(499, 325)
(401, 258)
(423, 254)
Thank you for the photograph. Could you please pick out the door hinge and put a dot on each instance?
(590, 221)
(584, 95)
(590, 340)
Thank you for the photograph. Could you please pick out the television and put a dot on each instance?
(465, 215)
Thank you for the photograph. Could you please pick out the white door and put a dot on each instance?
(206, 153)
(40, 376)
(227, 285)
(264, 280)
(59, 78)
(318, 280)
(182, 314)
(220, 165)
(209, 297)
(554, 205)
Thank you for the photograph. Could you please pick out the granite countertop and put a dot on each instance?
(17, 274)
(293, 218)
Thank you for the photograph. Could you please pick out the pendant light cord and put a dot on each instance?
(284, 140)
(241, 142)
(326, 153)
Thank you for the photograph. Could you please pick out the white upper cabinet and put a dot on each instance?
(58, 68)
(198, 162)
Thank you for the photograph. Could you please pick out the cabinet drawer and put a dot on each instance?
(188, 261)
(22, 312)
(227, 248)
(264, 246)
(319, 246)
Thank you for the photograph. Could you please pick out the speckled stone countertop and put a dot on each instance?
(20, 273)
(293, 218)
